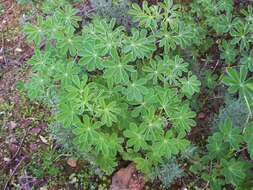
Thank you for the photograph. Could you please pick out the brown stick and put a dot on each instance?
(13, 173)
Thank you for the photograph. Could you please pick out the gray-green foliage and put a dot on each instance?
(235, 109)
(113, 9)
(171, 169)
(168, 172)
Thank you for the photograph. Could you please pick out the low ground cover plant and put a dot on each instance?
(128, 94)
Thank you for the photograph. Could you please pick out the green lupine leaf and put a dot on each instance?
(228, 52)
(222, 23)
(145, 15)
(247, 60)
(241, 35)
(182, 119)
(174, 68)
(177, 34)
(139, 44)
(39, 60)
(248, 138)
(216, 147)
(168, 99)
(237, 82)
(136, 89)
(91, 56)
(86, 132)
(68, 41)
(152, 127)
(190, 85)
(67, 15)
(106, 163)
(35, 33)
(155, 70)
(149, 99)
(117, 68)
(108, 145)
(210, 80)
(248, 14)
(66, 72)
(67, 114)
(231, 135)
(234, 171)
(108, 112)
(135, 137)
(143, 165)
(53, 29)
(169, 145)
(105, 35)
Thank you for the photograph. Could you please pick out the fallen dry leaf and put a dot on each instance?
(72, 162)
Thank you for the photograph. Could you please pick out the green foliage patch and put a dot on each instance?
(126, 94)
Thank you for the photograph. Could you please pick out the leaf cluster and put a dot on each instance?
(112, 88)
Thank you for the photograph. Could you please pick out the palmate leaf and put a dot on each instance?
(169, 145)
(91, 55)
(234, 171)
(230, 134)
(170, 11)
(139, 44)
(39, 60)
(247, 60)
(152, 125)
(107, 112)
(216, 147)
(177, 34)
(248, 14)
(149, 99)
(241, 35)
(108, 145)
(135, 137)
(237, 82)
(105, 35)
(67, 15)
(225, 5)
(155, 70)
(67, 113)
(248, 138)
(146, 16)
(182, 119)
(136, 89)
(117, 68)
(143, 164)
(228, 52)
(174, 68)
(65, 72)
(53, 28)
(222, 23)
(168, 99)
(86, 133)
(36, 86)
(190, 85)
(79, 93)
(68, 42)
(35, 33)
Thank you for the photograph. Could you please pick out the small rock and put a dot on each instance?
(7, 159)
(121, 178)
(13, 148)
(11, 125)
(43, 188)
(35, 130)
(72, 162)
(18, 50)
(43, 139)
(33, 146)
(201, 115)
